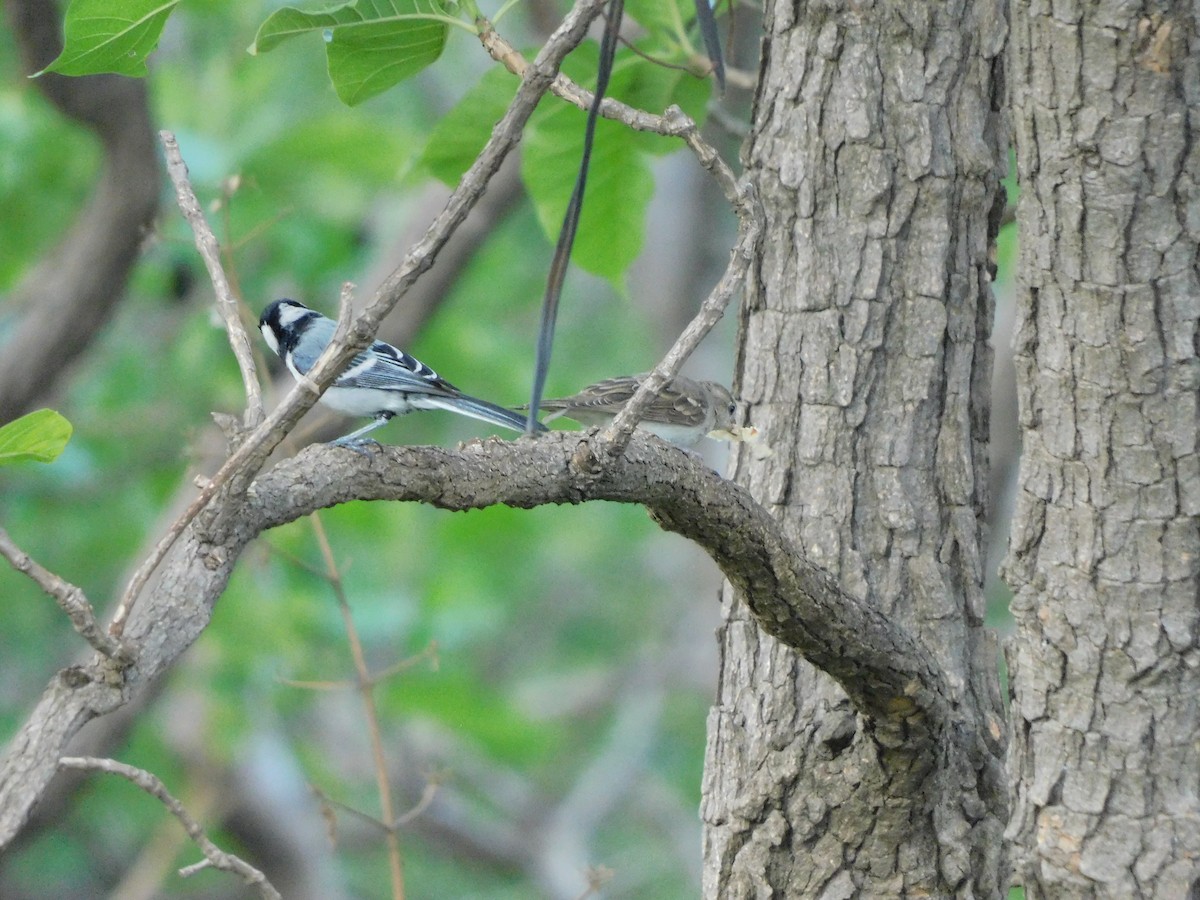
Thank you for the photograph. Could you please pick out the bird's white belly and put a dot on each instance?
(365, 401)
(680, 435)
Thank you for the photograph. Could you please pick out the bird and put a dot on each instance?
(381, 381)
(683, 412)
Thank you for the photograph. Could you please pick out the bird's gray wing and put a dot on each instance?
(680, 403)
(389, 369)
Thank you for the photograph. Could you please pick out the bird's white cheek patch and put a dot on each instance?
(289, 314)
(269, 337)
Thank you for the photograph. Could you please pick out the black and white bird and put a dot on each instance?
(380, 382)
(682, 413)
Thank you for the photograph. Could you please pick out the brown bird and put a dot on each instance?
(682, 413)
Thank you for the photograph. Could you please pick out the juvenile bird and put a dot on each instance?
(379, 382)
(682, 413)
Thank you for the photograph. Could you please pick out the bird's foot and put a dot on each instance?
(365, 446)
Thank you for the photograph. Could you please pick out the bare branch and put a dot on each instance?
(432, 784)
(70, 598)
(214, 856)
(210, 252)
(366, 692)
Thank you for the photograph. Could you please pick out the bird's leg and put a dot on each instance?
(354, 440)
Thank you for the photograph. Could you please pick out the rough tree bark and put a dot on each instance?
(877, 149)
(1105, 555)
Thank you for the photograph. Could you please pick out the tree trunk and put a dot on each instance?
(877, 150)
(1105, 554)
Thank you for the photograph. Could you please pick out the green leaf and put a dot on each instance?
(38, 436)
(612, 226)
(111, 36)
(620, 184)
(463, 131)
(371, 45)
(661, 17)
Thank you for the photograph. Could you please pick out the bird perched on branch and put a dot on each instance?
(379, 382)
(682, 413)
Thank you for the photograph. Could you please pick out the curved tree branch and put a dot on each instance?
(888, 674)
(72, 292)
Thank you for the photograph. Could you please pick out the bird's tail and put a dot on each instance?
(467, 405)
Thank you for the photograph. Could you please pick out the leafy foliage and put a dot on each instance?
(612, 230)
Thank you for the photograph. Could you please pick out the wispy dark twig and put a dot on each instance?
(712, 40)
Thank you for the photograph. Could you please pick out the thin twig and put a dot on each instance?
(432, 783)
(672, 123)
(70, 599)
(662, 63)
(430, 652)
(210, 252)
(366, 690)
(332, 804)
(365, 685)
(213, 855)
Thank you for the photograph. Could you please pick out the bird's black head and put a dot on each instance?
(278, 323)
